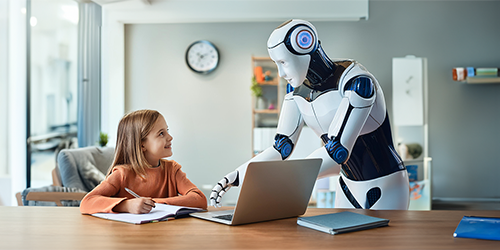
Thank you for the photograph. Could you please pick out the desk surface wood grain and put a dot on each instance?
(65, 228)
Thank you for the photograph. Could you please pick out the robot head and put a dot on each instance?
(290, 46)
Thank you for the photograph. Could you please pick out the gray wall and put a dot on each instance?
(210, 115)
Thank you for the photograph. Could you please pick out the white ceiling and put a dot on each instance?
(192, 11)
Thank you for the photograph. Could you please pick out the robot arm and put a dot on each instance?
(289, 127)
(354, 109)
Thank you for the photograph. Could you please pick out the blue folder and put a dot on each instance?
(486, 228)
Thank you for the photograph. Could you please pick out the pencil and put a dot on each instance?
(136, 195)
(132, 193)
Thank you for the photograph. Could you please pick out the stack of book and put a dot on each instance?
(476, 75)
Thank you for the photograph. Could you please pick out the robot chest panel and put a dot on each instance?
(318, 114)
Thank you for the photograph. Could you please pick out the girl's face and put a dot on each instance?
(158, 143)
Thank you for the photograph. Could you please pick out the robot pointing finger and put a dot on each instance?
(344, 105)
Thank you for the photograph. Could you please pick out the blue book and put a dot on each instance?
(342, 222)
(486, 228)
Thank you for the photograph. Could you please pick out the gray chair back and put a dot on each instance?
(84, 168)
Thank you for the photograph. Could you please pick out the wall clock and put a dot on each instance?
(202, 57)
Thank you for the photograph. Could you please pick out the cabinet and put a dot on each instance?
(410, 124)
(268, 91)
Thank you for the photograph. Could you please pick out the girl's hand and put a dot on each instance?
(141, 205)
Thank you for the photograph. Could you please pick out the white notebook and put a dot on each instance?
(161, 212)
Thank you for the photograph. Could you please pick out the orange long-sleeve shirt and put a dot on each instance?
(167, 184)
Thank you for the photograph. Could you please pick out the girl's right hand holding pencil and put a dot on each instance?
(141, 205)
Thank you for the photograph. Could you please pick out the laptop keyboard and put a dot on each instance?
(228, 217)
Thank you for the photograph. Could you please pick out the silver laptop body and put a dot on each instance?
(271, 190)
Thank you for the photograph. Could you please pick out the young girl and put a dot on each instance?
(142, 141)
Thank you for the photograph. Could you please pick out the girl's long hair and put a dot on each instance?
(132, 131)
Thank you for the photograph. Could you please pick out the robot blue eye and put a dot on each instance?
(304, 39)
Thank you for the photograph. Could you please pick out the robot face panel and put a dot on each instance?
(290, 46)
(291, 67)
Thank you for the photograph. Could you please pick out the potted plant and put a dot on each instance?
(257, 92)
(103, 139)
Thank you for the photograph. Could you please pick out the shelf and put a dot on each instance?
(261, 58)
(265, 111)
(271, 97)
(272, 82)
(479, 80)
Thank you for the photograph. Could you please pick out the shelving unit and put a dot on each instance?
(265, 109)
(482, 80)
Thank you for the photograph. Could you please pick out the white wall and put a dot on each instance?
(5, 196)
(3, 86)
(17, 98)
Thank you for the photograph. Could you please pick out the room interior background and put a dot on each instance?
(210, 115)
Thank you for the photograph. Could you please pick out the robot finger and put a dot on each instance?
(226, 189)
(217, 188)
(213, 200)
(214, 195)
(224, 182)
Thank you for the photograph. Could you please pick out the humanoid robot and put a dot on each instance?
(344, 105)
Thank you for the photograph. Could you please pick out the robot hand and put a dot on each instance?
(231, 179)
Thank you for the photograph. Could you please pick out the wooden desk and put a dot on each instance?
(66, 228)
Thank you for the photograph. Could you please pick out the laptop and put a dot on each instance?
(271, 190)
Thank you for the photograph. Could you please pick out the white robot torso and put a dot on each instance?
(344, 105)
(319, 108)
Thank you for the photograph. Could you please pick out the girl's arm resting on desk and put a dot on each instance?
(100, 199)
(189, 194)
(193, 198)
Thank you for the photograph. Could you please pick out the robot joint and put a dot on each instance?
(338, 152)
(283, 145)
(363, 86)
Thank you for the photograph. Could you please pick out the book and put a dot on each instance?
(486, 228)
(161, 212)
(342, 222)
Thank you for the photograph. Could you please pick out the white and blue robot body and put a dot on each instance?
(350, 132)
(345, 106)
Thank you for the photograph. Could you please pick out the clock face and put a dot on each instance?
(202, 57)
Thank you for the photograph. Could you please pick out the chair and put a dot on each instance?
(77, 172)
